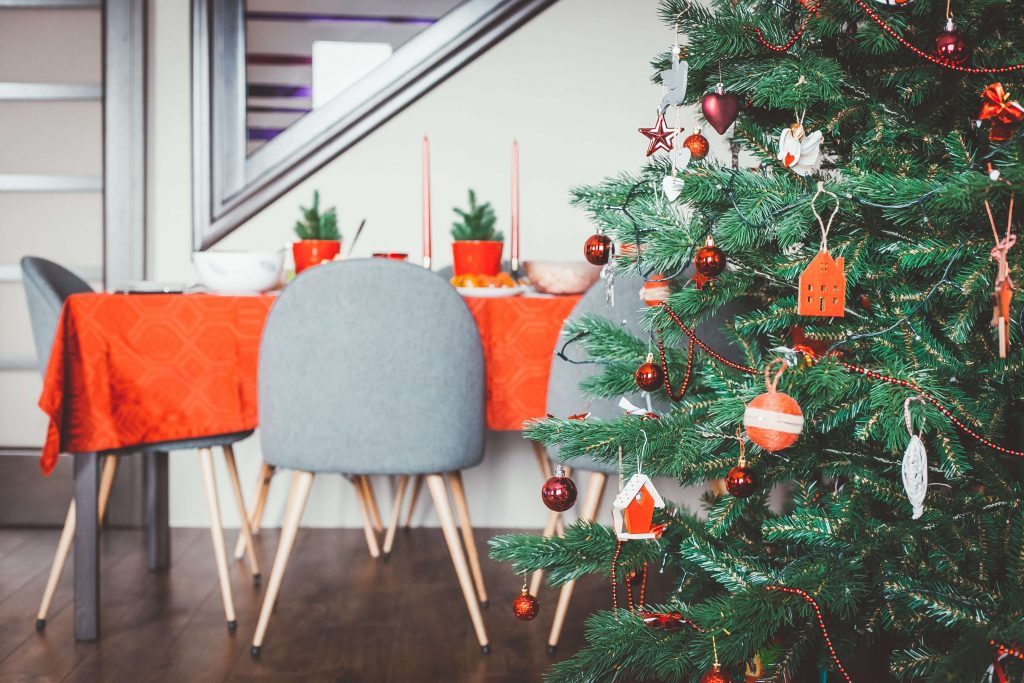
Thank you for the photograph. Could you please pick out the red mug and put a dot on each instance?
(393, 255)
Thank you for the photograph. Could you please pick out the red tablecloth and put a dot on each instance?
(134, 369)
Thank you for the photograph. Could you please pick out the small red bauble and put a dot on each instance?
(559, 492)
(950, 44)
(714, 676)
(597, 249)
(709, 262)
(525, 606)
(698, 145)
(649, 376)
(741, 480)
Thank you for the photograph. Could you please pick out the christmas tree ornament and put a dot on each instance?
(1004, 113)
(822, 286)
(773, 420)
(720, 108)
(741, 480)
(697, 144)
(672, 186)
(950, 43)
(633, 509)
(755, 670)
(525, 606)
(709, 262)
(598, 249)
(915, 464)
(559, 492)
(663, 620)
(660, 135)
(649, 375)
(798, 151)
(715, 675)
(655, 290)
(894, 3)
(674, 80)
(1003, 292)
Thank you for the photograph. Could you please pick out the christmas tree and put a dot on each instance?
(866, 224)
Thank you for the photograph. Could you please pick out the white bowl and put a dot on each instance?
(561, 277)
(239, 272)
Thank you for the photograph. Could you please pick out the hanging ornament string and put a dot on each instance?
(664, 370)
(944, 63)
(821, 624)
(999, 251)
(785, 47)
(824, 227)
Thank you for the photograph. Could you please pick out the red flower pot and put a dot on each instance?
(477, 257)
(313, 252)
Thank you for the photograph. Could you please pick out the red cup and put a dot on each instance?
(313, 252)
(476, 257)
(393, 255)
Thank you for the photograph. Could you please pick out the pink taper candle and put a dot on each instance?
(426, 202)
(515, 206)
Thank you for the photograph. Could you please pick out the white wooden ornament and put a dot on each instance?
(672, 186)
(799, 151)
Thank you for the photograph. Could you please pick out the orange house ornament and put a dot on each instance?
(633, 509)
(823, 287)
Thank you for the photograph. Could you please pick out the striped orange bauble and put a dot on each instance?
(773, 420)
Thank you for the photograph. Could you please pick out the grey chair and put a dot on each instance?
(359, 378)
(566, 398)
(47, 286)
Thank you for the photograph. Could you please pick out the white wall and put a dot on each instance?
(573, 85)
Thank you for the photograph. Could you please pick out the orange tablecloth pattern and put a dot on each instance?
(131, 369)
(519, 336)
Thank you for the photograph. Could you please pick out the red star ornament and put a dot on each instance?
(660, 136)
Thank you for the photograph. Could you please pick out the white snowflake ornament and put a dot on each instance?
(799, 151)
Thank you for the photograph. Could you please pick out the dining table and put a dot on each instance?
(132, 369)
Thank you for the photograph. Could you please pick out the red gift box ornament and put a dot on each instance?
(1004, 113)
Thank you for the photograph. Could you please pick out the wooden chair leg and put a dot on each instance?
(244, 532)
(417, 486)
(549, 530)
(301, 483)
(396, 511)
(259, 503)
(67, 534)
(444, 511)
(364, 508)
(217, 536)
(591, 501)
(462, 512)
(371, 503)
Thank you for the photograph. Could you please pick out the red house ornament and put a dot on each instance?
(822, 287)
(633, 509)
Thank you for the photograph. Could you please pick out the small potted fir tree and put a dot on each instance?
(319, 238)
(477, 246)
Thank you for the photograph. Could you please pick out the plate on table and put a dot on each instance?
(490, 292)
(150, 287)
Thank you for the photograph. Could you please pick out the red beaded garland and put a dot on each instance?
(664, 369)
(796, 36)
(1007, 650)
(821, 623)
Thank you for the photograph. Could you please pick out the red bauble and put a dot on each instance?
(525, 606)
(720, 109)
(709, 262)
(714, 676)
(697, 144)
(597, 249)
(741, 480)
(951, 45)
(559, 492)
(649, 376)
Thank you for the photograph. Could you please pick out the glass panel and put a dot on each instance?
(300, 54)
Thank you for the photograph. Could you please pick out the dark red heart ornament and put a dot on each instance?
(720, 108)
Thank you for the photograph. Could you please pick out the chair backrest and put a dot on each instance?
(47, 285)
(564, 394)
(371, 366)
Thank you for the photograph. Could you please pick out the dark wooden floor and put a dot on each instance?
(341, 616)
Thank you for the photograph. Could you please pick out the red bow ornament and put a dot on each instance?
(1005, 114)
